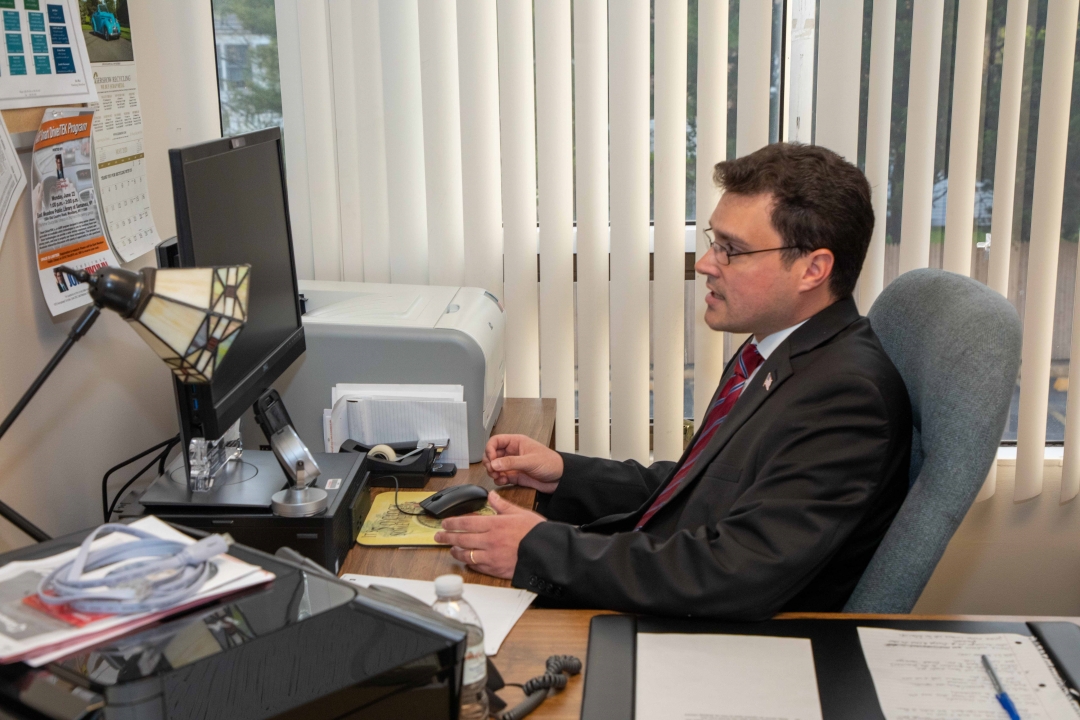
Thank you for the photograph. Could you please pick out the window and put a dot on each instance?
(249, 85)
(368, 119)
(801, 28)
(984, 193)
(775, 110)
(235, 68)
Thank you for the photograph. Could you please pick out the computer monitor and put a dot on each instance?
(231, 208)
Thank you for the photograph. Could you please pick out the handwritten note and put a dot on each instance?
(933, 676)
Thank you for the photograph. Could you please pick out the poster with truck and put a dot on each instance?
(106, 30)
(120, 168)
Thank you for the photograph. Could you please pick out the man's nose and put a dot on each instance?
(706, 266)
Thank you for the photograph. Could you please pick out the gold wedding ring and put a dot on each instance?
(472, 560)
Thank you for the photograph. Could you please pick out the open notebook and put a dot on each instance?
(940, 674)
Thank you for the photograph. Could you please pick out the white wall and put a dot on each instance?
(1012, 558)
(174, 50)
(111, 397)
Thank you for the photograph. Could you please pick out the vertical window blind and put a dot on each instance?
(628, 162)
(712, 132)
(540, 150)
(518, 142)
(1053, 134)
(669, 232)
(591, 165)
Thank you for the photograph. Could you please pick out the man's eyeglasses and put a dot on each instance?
(723, 254)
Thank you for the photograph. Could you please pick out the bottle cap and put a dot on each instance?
(449, 586)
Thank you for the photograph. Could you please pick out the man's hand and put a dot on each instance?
(486, 543)
(520, 460)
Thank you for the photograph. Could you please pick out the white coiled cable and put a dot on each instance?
(169, 573)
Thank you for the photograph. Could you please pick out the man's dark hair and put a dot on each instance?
(819, 201)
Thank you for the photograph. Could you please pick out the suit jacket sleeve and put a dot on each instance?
(825, 472)
(593, 488)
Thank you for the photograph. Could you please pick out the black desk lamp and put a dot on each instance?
(190, 317)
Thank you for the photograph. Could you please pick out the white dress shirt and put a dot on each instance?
(771, 342)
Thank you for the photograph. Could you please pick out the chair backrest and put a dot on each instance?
(956, 344)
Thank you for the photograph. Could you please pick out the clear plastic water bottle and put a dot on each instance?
(474, 702)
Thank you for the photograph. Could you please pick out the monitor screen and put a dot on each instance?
(232, 209)
(237, 213)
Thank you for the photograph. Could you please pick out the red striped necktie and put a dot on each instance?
(749, 360)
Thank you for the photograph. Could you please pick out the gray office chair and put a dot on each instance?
(956, 344)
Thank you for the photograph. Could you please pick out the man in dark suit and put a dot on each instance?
(801, 462)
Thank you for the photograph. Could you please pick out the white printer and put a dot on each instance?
(378, 333)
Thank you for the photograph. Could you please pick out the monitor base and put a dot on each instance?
(243, 509)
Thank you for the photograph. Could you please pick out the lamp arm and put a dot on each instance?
(80, 328)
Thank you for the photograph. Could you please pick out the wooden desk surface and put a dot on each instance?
(541, 633)
(525, 416)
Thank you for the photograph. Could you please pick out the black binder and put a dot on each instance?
(845, 686)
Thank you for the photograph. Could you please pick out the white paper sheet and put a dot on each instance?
(38, 638)
(12, 179)
(725, 677)
(373, 414)
(43, 59)
(119, 163)
(936, 675)
(499, 608)
(390, 421)
(420, 392)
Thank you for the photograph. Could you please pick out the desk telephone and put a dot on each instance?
(558, 668)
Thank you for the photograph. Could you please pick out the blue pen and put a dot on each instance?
(1002, 696)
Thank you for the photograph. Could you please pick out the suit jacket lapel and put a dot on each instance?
(753, 396)
(728, 370)
(818, 330)
(699, 465)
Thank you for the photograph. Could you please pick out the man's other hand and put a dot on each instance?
(520, 460)
(489, 543)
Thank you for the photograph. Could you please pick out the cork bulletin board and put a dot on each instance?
(26, 120)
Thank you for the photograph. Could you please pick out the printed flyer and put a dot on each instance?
(67, 220)
(12, 179)
(119, 163)
(43, 58)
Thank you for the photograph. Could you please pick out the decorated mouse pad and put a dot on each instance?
(385, 525)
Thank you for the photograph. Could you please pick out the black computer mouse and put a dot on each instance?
(455, 500)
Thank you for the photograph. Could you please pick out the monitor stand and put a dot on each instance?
(248, 482)
(241, 505)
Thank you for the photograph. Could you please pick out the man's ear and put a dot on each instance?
(817, 269)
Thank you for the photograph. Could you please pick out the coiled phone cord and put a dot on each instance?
(558, 670)
(175, 573)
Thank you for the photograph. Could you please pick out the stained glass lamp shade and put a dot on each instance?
(189, 316)
(192, 316)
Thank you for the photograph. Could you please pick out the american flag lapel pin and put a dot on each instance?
(768, 382)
